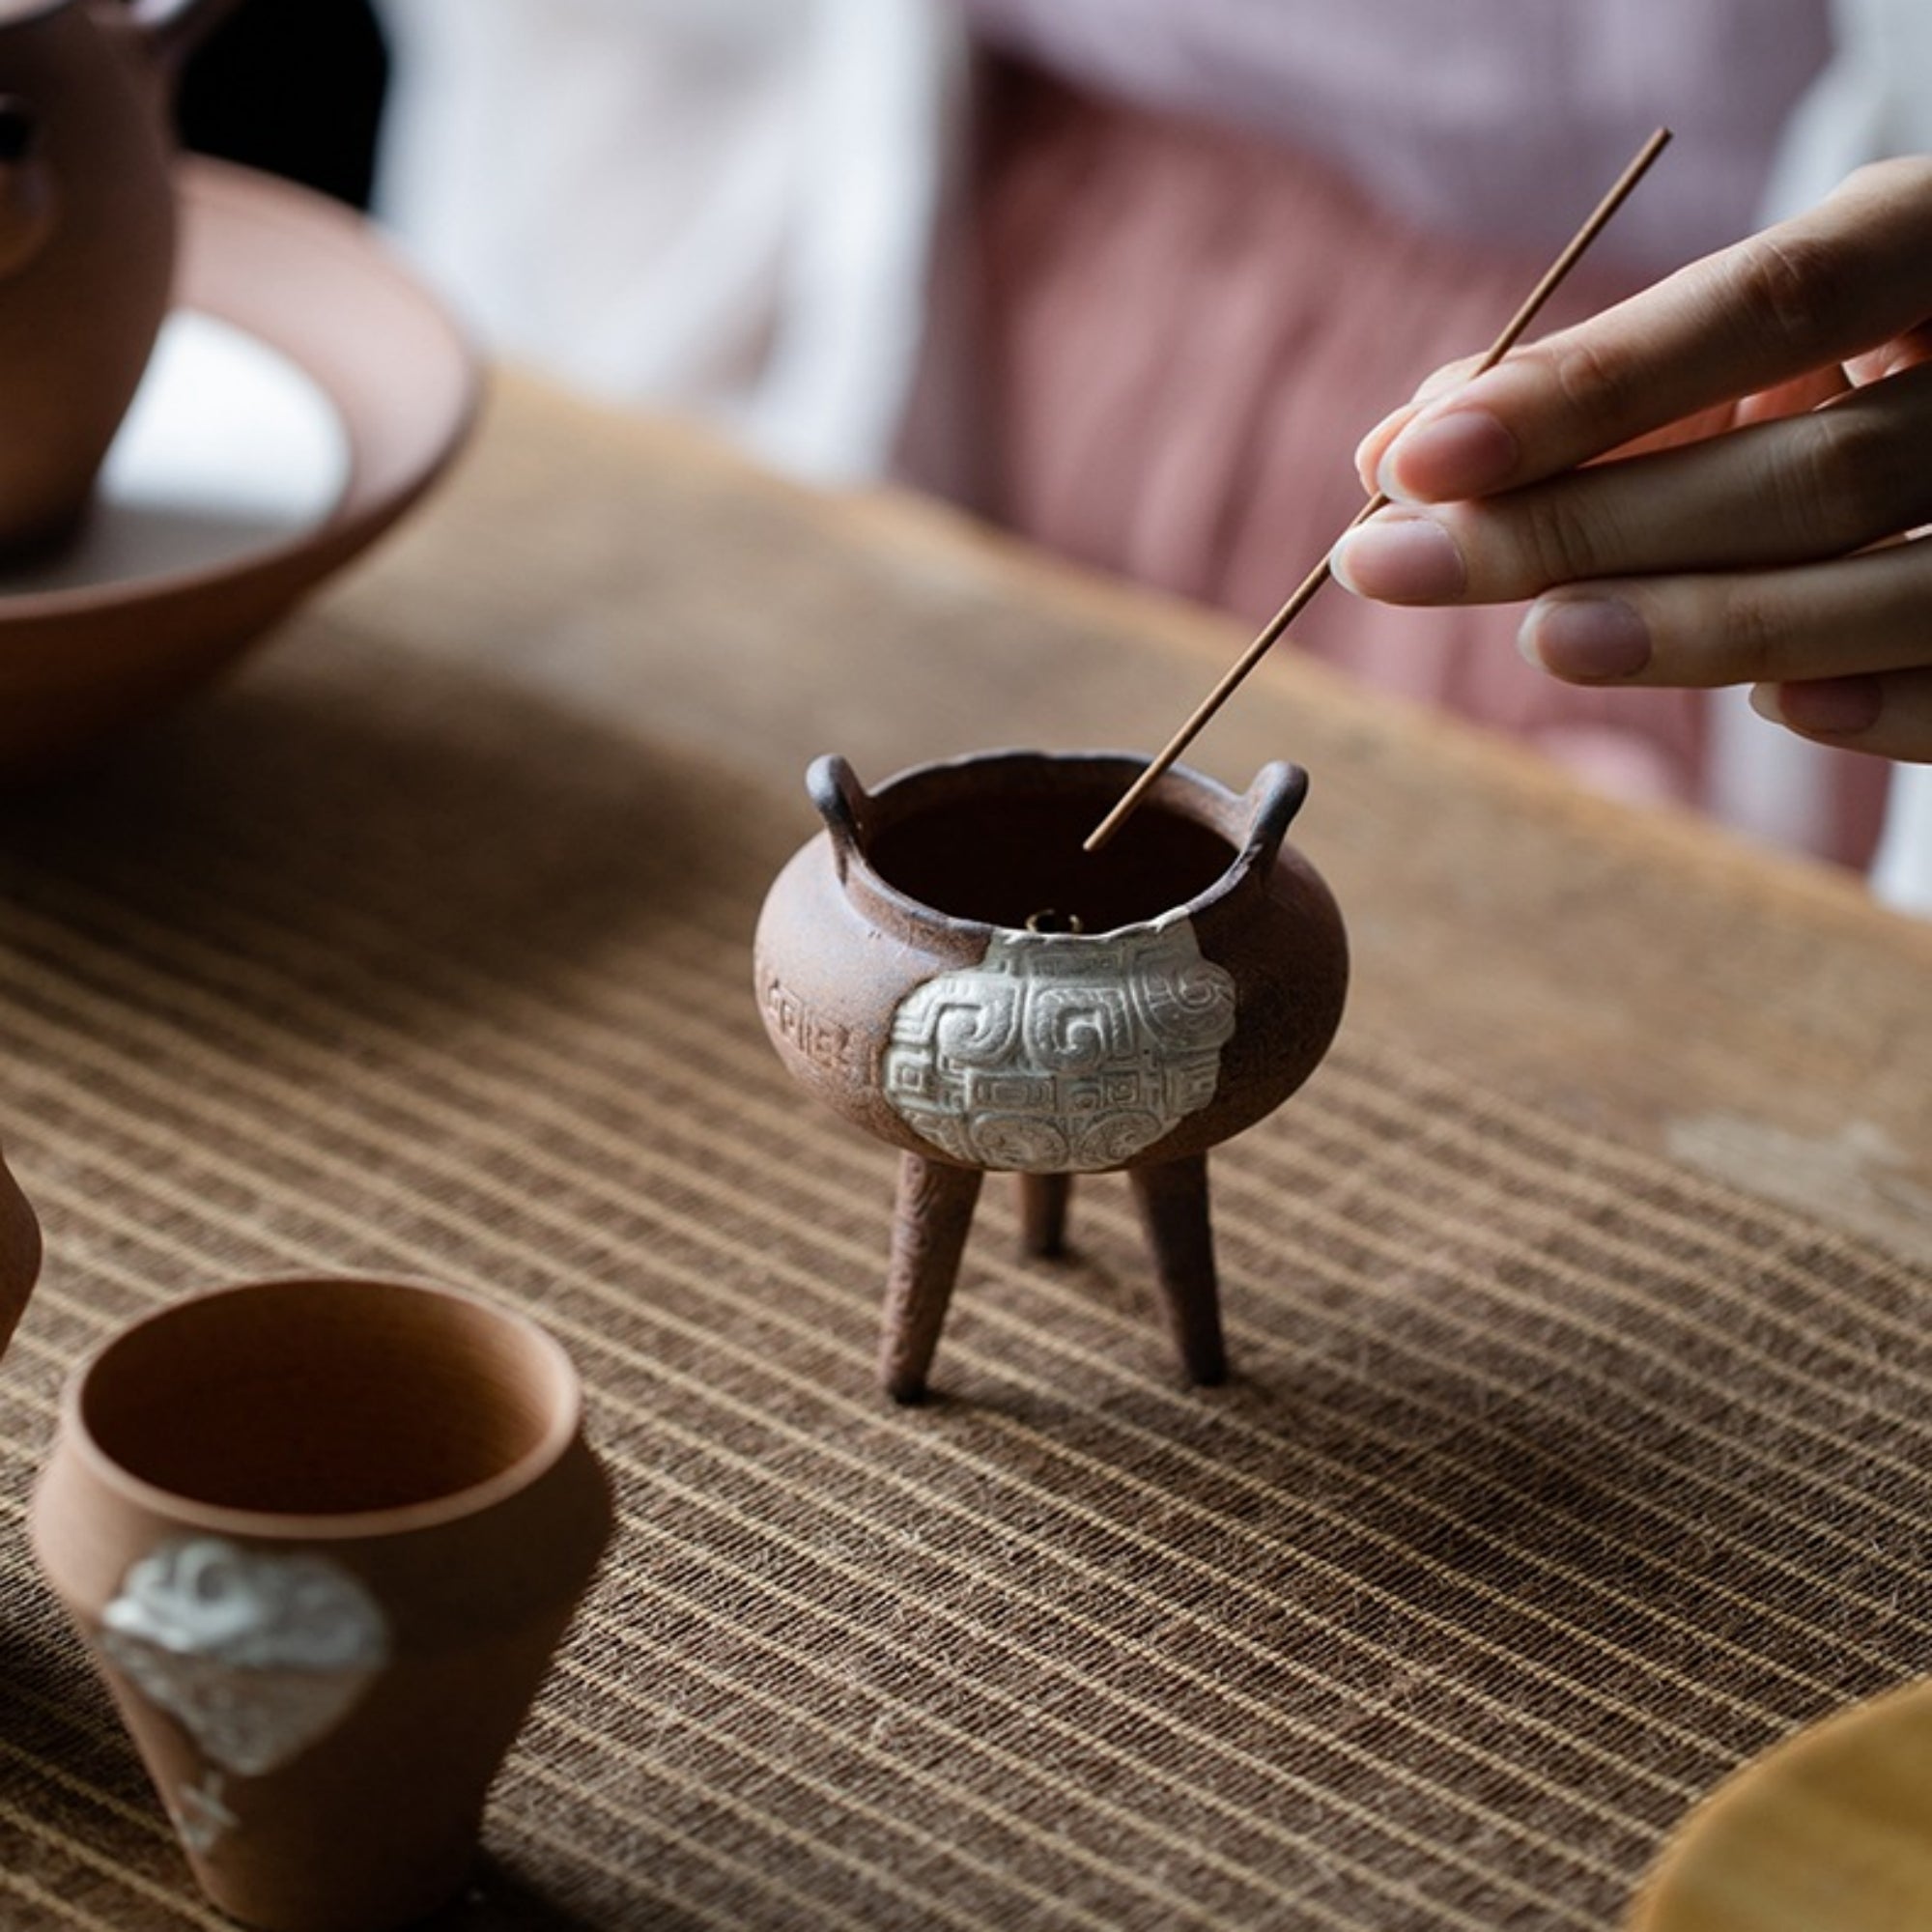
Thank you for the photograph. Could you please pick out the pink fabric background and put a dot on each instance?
(1184, 326)
(1495, 118)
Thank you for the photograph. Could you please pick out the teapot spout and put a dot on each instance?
(26, 187)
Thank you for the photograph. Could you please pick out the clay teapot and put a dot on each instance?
(946, 967)
(87, 237)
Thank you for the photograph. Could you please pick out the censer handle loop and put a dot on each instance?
(844, 805)
(1272, 800)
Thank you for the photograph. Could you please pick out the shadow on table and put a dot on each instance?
(497, 1900)
(55, 1711)
(380, 811)
(1571, 1505)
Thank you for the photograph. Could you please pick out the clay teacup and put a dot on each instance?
(946, 967)
(323, 1537)
(87, 238)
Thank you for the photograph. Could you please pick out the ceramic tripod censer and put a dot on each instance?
(948, 969)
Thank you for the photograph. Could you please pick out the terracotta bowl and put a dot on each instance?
(308, 279)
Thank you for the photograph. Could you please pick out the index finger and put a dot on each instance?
(1811, 293)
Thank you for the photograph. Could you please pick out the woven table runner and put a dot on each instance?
(1552, 1484)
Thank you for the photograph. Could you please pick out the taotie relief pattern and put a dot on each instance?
(1062, 1053)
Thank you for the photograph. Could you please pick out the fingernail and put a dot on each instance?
(1438, 459)
(1369, 451)
(1585, 639)
(1830, 708)
(1442, 382)
(1400, 559)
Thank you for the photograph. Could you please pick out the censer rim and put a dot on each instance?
(1244, 837)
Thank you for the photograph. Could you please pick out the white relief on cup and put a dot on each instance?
(1062, 1053)
(201, 1817)
(258, 1655)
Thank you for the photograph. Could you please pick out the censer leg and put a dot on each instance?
(1043, 1214)
(1173, 1198)
(929, 1223)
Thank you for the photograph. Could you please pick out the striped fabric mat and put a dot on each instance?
(1552, 1482)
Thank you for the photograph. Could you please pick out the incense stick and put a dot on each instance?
(1552, 276)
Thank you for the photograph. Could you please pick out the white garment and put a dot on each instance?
(722, 205)
(1872, 102)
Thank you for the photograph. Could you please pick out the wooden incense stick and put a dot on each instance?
(1319, 576)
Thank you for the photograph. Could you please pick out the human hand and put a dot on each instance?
(1711, 483)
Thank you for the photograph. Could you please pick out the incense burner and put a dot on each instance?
(947, 968)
